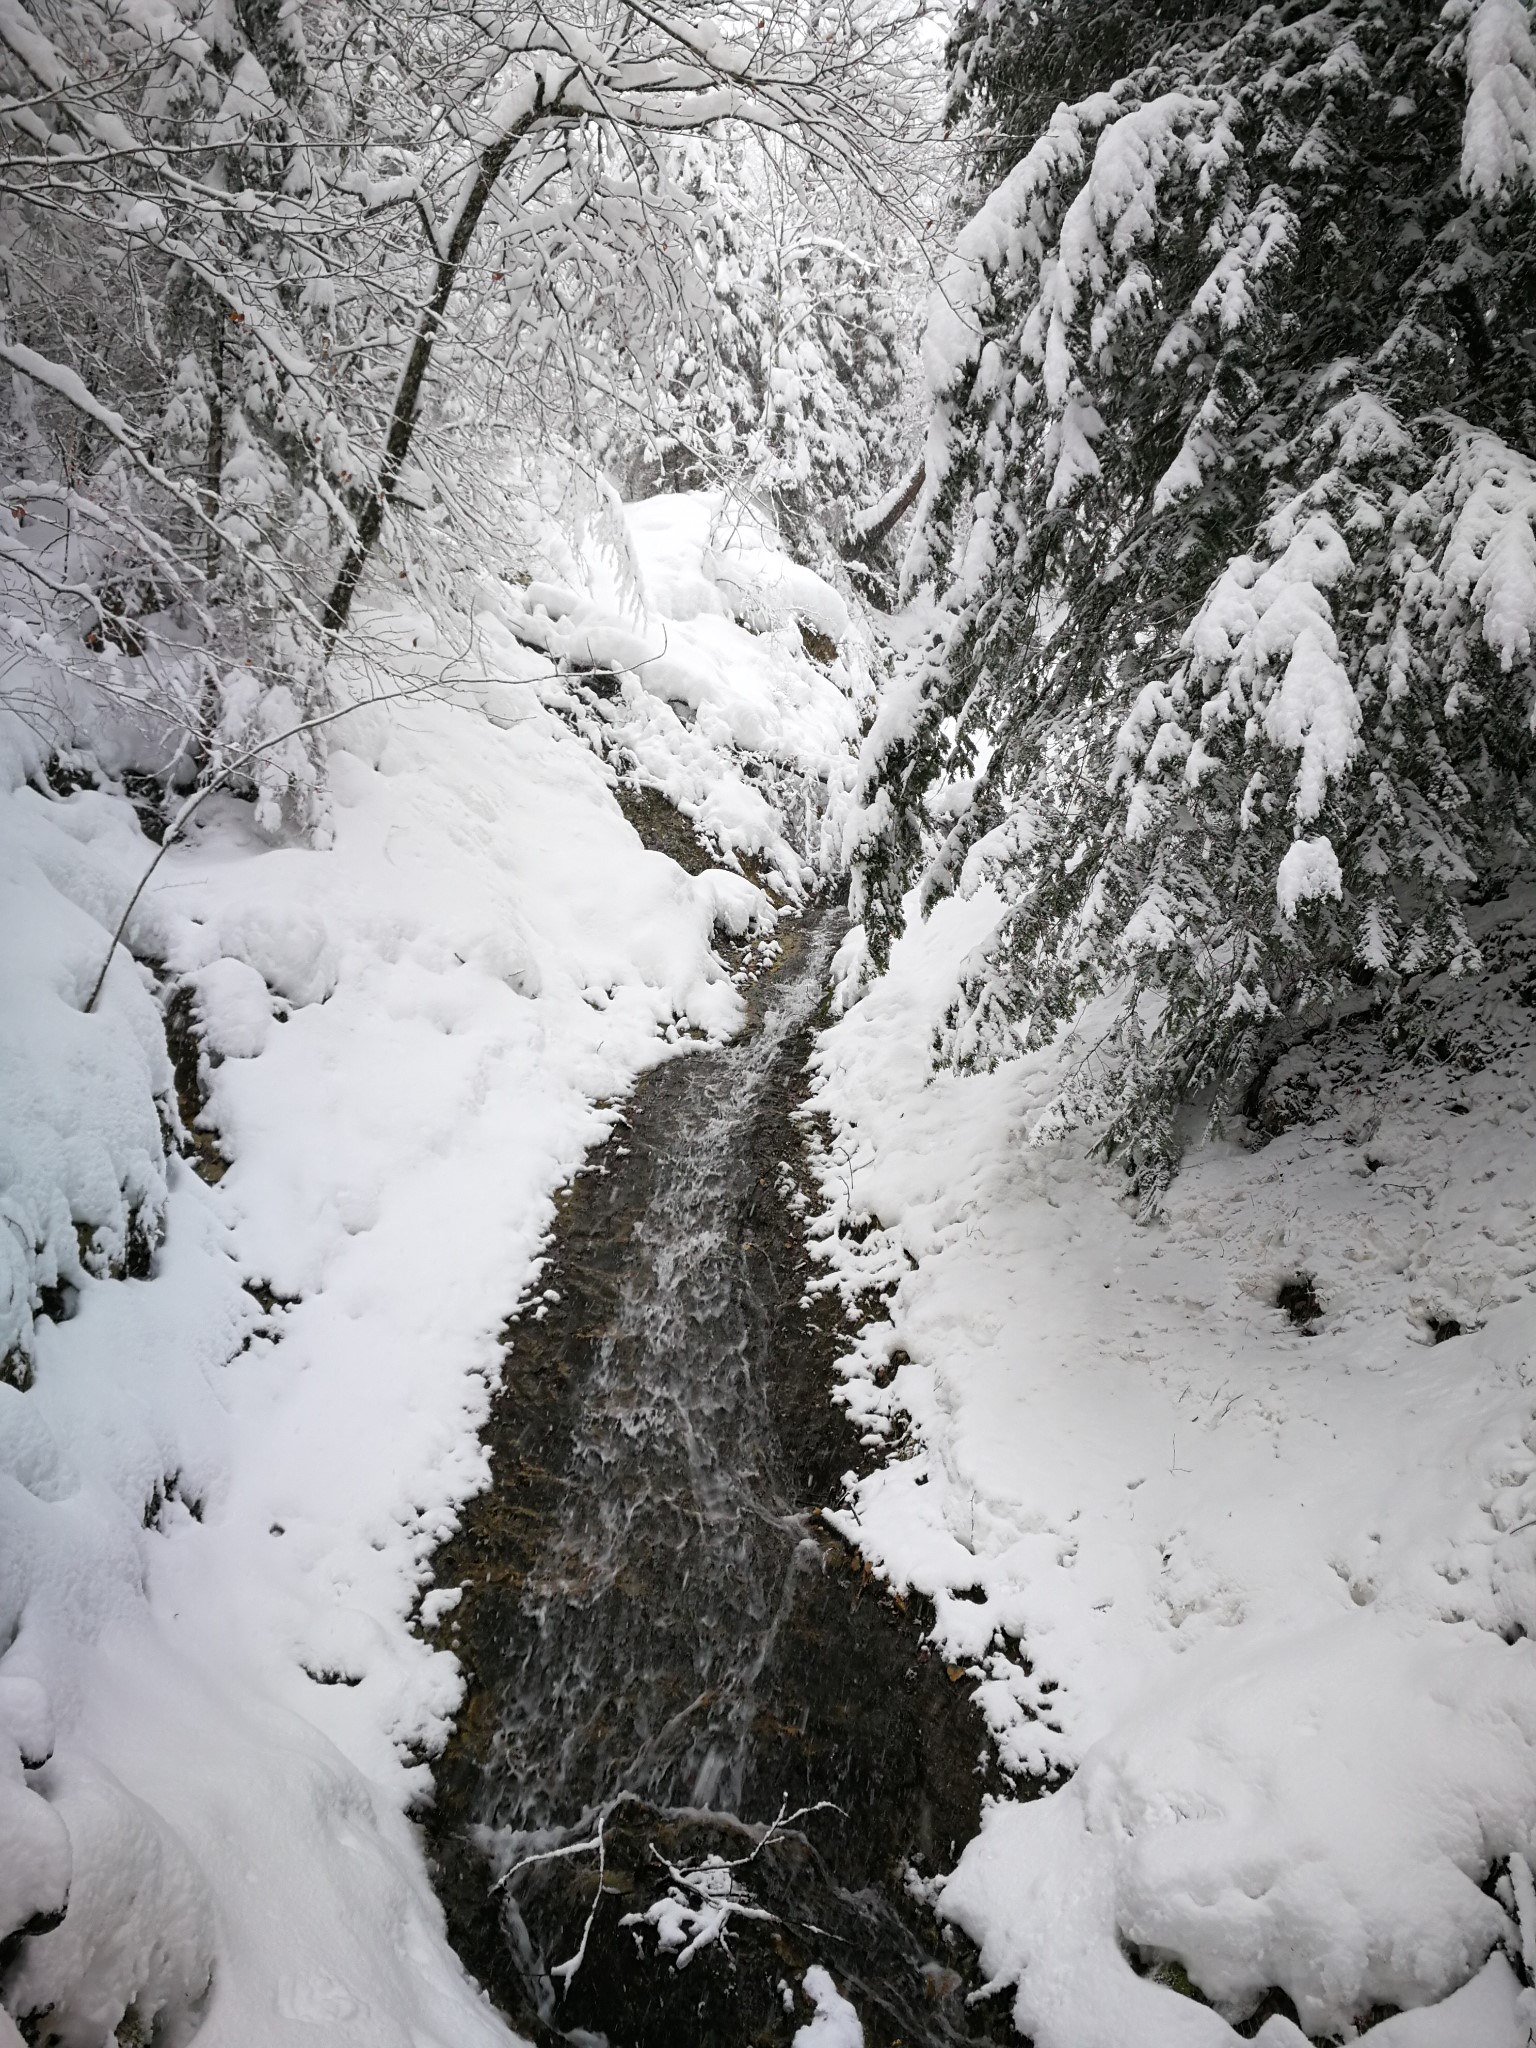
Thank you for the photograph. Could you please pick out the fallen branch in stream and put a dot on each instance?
(567, 1970)
(704, 1898)
(679, 1922)
(686, 1926)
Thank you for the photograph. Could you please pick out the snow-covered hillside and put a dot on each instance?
(1231, 1518)
(245, 1364)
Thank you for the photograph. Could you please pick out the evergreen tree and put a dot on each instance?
(1012, 62)
(1229, 520)
(787, 380)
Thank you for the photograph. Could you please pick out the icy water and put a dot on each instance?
(664, 1647)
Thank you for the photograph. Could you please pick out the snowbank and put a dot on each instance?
(1248, 1596)
(738, 676)
(239, 1409)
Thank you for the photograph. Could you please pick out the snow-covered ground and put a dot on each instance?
(1249, 1598)
(237, 1414)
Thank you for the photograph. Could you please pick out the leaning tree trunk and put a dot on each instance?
(868, 541)
(407, 406)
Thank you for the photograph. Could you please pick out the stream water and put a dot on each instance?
(665, 1649)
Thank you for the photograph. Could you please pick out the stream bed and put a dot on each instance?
(690, 1710)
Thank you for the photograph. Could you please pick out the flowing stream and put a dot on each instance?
(688, 1708)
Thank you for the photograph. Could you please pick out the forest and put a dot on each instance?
(767, 1023)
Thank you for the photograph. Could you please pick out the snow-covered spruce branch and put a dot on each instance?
(1233, 666)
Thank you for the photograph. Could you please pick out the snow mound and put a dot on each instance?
(1309, 1812)
(82, 1161)
(728, 677)
(284, 943)
(705, 555)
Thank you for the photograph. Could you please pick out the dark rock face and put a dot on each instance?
(652, 1608)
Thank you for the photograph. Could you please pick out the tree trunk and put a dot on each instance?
(866, 543)
(213, 460)
(402, 422)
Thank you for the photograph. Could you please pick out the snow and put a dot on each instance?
(1245, 1600)
(697, 1910)
(1309, 869)
(1258, 617)
(1203, 1827)
(1490, 2010)
(1498, 140)
(222, 1481)
(703, 615)
(80, 1139)
(836, 2024)
(1490, 554)
(705, 554)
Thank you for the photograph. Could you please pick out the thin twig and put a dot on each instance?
(544, 1856)
(566, 1971)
